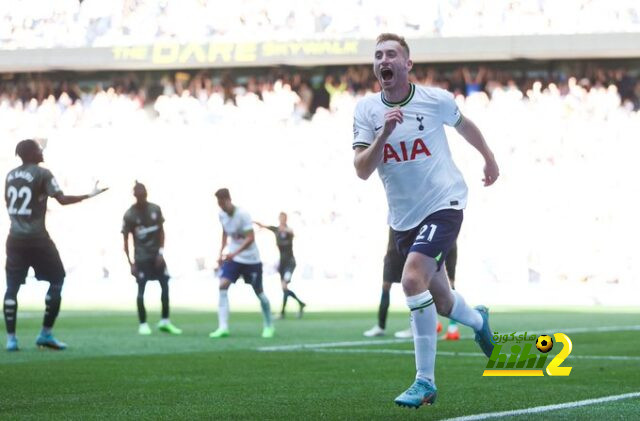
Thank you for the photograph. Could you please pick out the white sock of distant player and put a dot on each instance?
(223, 309)
(266, 309)
(464, 314)
(163, 322)
(423, 324)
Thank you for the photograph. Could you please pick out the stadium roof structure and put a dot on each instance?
(319, 52)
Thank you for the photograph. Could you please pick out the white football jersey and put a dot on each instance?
(417, 170)
(236, 227)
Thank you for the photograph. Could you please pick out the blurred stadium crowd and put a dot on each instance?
(99, 23)
(41, 100)
(550, 137)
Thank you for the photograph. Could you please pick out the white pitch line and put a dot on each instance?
(296, 347)
(538, 409)
(590, 329)
(461, 354)
(604, 357)
(396, 351)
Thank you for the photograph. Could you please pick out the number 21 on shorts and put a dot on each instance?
(432, 230)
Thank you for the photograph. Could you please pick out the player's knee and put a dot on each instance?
(224, 284)
(10, 294)
(12, 290)
(411, 284)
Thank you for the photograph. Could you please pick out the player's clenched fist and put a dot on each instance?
(391, 118)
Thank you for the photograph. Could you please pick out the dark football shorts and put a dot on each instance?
(251, 273)
(433, 237)
(147, 270)
(286, 268)
(39, 253)
(393, 265)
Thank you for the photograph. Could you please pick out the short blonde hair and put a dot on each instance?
(388, 36)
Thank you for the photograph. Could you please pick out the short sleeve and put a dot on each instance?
(245, 222)
(160, 216)
(273, 229)
(127, 226)
(449, 112)
(363, 131)
(51, 186)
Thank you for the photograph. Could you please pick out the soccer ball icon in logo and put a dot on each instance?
(544, 343)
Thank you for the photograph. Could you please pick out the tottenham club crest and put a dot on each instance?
(420, 118)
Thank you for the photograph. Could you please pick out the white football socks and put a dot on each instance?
(462, 313)
(266, 309)
(423, 324)
(223, 309)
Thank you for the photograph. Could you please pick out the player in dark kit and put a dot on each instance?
(27, 189)
(144, 221)
(392, 273)
(287, 264)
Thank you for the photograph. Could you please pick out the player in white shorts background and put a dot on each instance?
(400, 132)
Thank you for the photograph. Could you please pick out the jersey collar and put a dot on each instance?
(402, 103)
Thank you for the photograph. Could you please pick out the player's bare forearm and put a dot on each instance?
(366, 160)
(64, 199)
(472, 134)
(161, 236)
(249, 239)
(126, 247)
(224, 242)
(70, 200)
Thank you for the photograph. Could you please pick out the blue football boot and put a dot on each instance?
(421, 392)
(46, 340)
(12, 344)
(484, 337)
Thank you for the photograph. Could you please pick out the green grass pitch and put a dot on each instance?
(111, 372)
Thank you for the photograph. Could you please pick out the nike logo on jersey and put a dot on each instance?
(377, 128)
(417, 148)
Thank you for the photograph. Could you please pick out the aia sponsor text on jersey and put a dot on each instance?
(405, 151)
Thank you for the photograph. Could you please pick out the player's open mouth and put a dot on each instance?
(386, 74)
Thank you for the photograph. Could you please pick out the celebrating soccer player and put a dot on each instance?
(287, 264)
(144, 221)
(26, 192)
(400, 132)
(241, 259)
